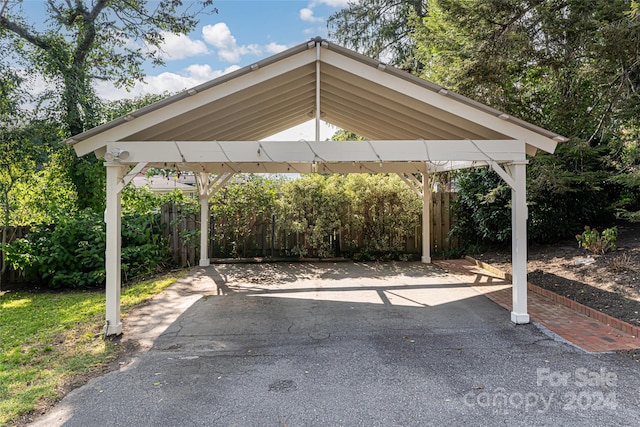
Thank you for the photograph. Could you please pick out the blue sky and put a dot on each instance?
(242, 32)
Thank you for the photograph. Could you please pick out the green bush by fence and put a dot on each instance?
(361, 216)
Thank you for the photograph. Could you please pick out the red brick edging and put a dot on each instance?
(567, 302)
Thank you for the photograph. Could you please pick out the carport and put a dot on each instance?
(413, 128)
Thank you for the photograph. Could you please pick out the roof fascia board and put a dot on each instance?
(445, 102)
(189, 103)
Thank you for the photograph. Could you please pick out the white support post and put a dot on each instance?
(203, 190)
(113, 222)
(426, 219)
(519, 214)
(318, 47)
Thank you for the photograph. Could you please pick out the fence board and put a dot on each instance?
(264, 240)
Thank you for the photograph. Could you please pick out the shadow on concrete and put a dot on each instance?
(338, 349)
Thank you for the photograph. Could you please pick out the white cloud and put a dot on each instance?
(306, 14)
(180, 46)
(163, 82)
(220, 37)
(274, 47)
(334, 3)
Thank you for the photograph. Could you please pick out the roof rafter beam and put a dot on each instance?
(282, 98)
(193, 102)
(445, 103)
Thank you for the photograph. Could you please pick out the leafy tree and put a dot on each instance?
(237, 208)
(23, 149)
(381, 211)
(379, 28)
(87, 40)
(345, 135)
(313, 206)
(568, 65)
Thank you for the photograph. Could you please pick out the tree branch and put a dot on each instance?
(4, 6)
(24, 33)
(86, 40)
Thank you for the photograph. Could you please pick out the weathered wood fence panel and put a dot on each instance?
(10, 275)
(182, 231)
(263, 240)
(441, 221)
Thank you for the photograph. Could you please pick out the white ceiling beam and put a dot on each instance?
(408, 168)
(259, 122)
(388, 103)
(320, 151)
(383, 120)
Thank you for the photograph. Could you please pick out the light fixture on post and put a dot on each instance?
(115, 155)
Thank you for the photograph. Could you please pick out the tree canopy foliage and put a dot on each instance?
(571, 66)
(85, 41)
(380, 29)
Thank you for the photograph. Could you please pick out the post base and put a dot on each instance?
(205, 263)
(426, 260)
(519, 319)
(115, 329)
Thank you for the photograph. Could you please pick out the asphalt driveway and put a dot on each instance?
(394, 344)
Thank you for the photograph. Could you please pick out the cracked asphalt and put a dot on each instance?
(379, 344)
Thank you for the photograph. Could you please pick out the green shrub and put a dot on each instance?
(482, 208)
(597, 243)
(70, 254)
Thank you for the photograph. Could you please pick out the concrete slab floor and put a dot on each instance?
(345, 344)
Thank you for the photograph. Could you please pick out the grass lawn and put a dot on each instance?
(50, 340)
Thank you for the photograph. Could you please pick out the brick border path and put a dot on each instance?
(583, 326)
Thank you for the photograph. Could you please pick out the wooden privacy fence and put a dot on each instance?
(10, 275)
(182, 231)
(263, 237)
(442, 220)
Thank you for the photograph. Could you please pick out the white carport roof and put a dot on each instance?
(413, 127)
(215, 127)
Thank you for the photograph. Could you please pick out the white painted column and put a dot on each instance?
(519, 214)
(203, 191)
(204, 231)
(426, 219)
(113, 221)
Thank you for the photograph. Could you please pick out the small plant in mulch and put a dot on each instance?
(596, 242)
(623, 263)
